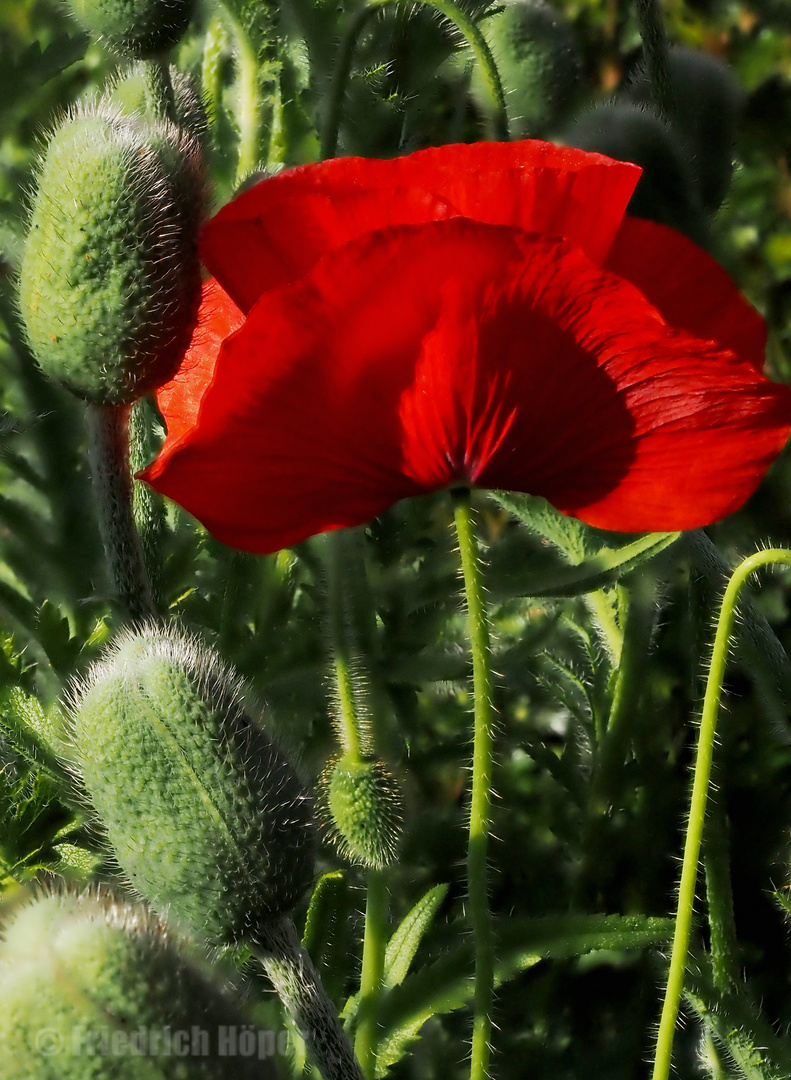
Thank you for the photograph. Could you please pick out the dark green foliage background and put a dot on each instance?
(580, 1017)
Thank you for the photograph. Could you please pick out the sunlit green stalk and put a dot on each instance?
(353, 739)
(374, 947)
(697, 813)
(480, 805)
(343, 66)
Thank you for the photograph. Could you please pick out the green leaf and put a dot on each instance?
(596, 571)
(53, 632)
(33, 733)
(405, 941)
(28, 72)
(447, 984)
(327, 933)
(566, 533)
(738, 1026)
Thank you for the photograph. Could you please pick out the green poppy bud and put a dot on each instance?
(110, 278)
(92, 988)
(628, 132)
(707, 101)
(205, 815)
(363, 804)
(140, 28)
(539, 65)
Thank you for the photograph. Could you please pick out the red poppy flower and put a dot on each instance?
(480, 315)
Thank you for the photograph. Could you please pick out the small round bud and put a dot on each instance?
(363, 804)
(205, 815)
(93, 988)
(140, 28)
(627, 132)
(536, 55)
(707, 101)
(110, 276)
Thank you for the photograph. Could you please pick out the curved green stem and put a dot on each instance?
(300, 989)
(697, 812)
(374, 947)
(452, 12)
(480, 806)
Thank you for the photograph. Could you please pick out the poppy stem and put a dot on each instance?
(372, 976)
(348, 726)
(697, 812)
(454, 14)
(147, 505)
(300, 989)
(480, 804)
(159, 89)
(652, 31)
(113, 485)
(343, 557)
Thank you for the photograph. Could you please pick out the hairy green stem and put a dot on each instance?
(297, 984)
(652, 31)
(147, 505)
(348, 726)
(374, 946)
(109, 432)
(719, 897)
(159, 89)
(480, 805)
(697, 812)
(343, 66)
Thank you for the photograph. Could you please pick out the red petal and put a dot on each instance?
(420, 357)
(179, 400)
(688, 287)
(276, 231)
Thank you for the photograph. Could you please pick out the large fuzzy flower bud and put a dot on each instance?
(205, 815)
(628, 132)
(110, 276)
(89, 987)
(141, 28)
(707, 101)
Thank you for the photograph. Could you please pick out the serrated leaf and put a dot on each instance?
(566, 533)
(447, 984)
(737, 1025)
(595, 571)
(404, 943)
(53, 632)
(568, 687)
(33, 733)
(35, 66)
